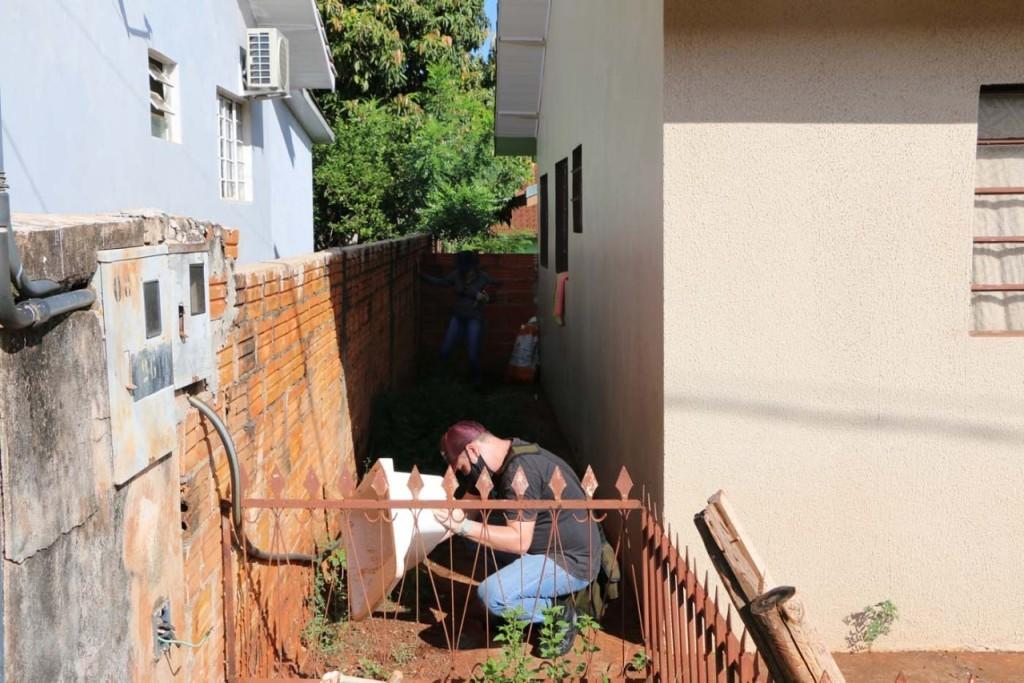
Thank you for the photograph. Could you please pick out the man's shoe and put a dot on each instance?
(568, 616)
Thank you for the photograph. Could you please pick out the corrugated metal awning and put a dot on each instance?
(309, 58)
(522, 37)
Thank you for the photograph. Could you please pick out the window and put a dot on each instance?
(577, 189)
(151, 306)
(234, 151)
(562, 216)
(997, 287)
(544, 221)
(163, 98)
(197, 288)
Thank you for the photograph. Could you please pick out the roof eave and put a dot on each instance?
(310, 117)
(519, 73)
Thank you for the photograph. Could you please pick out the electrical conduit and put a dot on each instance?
(236, 494)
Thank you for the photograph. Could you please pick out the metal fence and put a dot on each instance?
(308, 565)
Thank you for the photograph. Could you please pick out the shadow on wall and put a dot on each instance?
(837, 417)
(286, 122)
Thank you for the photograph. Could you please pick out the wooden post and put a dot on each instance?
(775, 616)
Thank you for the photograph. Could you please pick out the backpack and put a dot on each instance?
(592, 600)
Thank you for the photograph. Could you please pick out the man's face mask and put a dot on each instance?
(477, 468)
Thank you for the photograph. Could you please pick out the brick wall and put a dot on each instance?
(525, 219)
(512, 305)
(304, 346)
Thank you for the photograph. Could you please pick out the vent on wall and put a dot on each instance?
(266, 63)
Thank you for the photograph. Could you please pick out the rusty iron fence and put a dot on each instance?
(304, 565)
(686, 631)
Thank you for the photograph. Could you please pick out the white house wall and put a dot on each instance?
(74, 103)
(819, 174)
(602, 371)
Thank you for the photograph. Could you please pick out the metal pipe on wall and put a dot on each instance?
(236, 494)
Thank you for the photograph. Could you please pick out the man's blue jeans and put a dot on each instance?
(473, 329)
(531, 583)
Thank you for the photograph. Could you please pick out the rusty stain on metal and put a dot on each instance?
(450, 483)
(276, 483)
(519, 483)
(589, 482)
(557, 484)
(312, 484)
(346, 482)
(624, 484)
(379, 482)
(484, 485)
(415, 483)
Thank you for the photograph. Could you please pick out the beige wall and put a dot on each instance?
(602, 88)
(818, 170)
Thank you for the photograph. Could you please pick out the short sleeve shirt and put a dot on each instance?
(576, 546)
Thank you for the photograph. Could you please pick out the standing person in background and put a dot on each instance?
(467, 319)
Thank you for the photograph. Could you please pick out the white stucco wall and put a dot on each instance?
(819, 174)
(74, 93)
(602, 371)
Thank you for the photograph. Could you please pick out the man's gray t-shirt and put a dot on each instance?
(577, 546)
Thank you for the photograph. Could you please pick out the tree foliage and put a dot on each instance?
(413, 118)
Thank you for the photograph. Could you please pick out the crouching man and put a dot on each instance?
(551, 561)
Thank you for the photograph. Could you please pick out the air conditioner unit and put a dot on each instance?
(266, 62)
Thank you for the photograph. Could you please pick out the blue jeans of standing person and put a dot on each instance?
(473, 330)
(530, 583)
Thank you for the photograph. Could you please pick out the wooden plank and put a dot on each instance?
(775, 618)
(982, 191)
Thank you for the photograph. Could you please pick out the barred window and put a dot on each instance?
(234, 150)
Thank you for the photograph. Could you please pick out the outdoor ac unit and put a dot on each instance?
(266, 62)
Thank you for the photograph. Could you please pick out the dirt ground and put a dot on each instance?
(449, 636)
(933, 667)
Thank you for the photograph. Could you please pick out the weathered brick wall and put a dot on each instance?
(304, 346)
(511, 306)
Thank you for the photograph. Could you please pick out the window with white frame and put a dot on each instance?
(163, 98)
(234, 150)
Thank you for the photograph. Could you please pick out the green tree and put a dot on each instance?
(383, 48)
(420, 159)
(413, 117)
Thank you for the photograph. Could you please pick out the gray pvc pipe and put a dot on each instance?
(37, 310)
(236, 493)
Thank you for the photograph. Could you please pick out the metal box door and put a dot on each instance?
(192, 345)
(138, 320)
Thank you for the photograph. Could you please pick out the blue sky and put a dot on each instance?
(491, 7)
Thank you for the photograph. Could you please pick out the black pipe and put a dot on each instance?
(34, 311)
(236, 494)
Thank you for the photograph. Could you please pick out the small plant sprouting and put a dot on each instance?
(511, 665)
(869, 624)
(327, 601)
(372, 669)
(639, 662)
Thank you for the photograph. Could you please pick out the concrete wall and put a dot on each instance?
(602, 370)
(819, 167)
(76, 129)
(302, 347)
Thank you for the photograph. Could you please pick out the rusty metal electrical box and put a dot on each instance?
(139, 322)
(191, 342)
